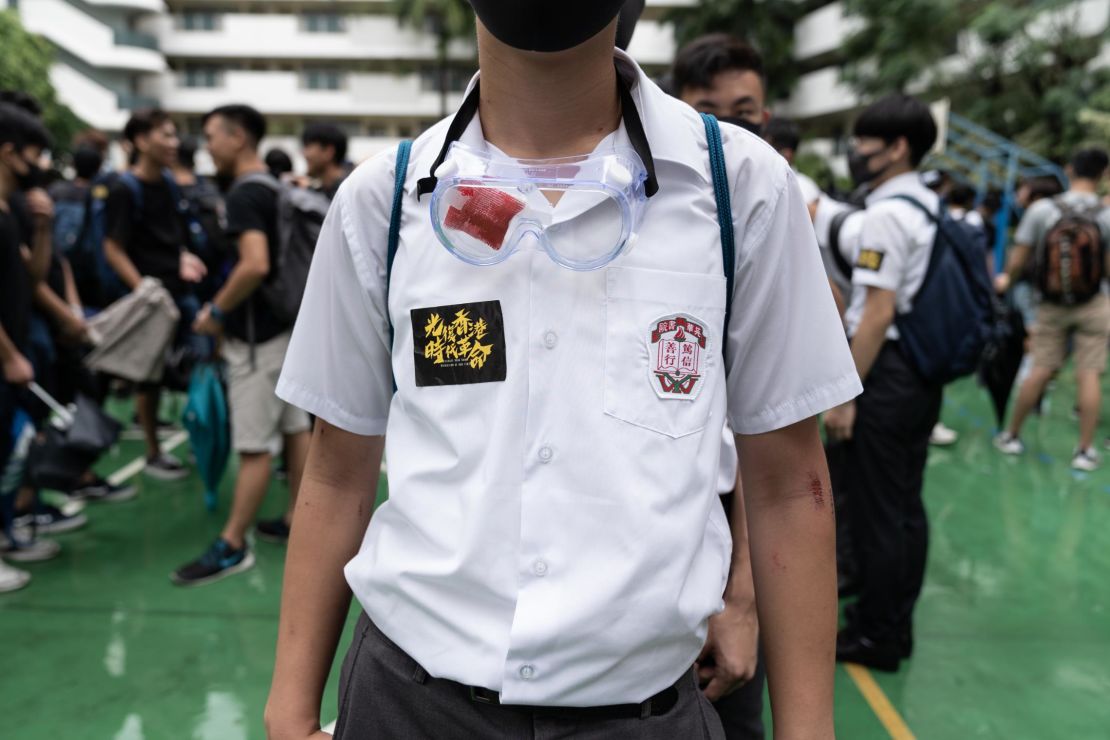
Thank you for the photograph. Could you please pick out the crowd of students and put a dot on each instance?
(214, 245)
(72, 246)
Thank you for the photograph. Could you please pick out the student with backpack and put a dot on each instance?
(253, 312)
(553, 558)
(148, 235)
(1067, 239)
(890, 319)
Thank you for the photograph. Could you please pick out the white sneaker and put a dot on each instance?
(942, 436)
(1086, 460)
(1008, 444)
(32, 552)
(12, 579)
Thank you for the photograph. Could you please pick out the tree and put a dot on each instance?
(768, 25)
(25, 66)
(1018, 67)
(447, 20)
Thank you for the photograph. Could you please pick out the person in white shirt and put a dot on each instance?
(553, 557)
(887, 431)
(785, 137)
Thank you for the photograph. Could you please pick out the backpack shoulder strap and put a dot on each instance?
(724, 207)
(918, 204)
(136, 189)
(835, 226)
(401, 170)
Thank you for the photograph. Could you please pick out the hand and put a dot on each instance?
(292, 728)
(731, 653)
(18, 370)
(75, 327)
(205, 325)
(40, 206)
(1001, 283)
(840, 421)
(192, 269)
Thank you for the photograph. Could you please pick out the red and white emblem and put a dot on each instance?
(677, 351)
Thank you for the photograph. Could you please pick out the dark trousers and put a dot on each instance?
(385, 695)
(883, 468)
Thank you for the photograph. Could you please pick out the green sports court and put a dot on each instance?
(1013, 629)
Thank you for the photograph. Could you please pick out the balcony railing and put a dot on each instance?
(128, 101)
(136, 38)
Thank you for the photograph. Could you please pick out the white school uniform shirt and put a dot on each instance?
(851, 230)
(553, 532)
(896, 241)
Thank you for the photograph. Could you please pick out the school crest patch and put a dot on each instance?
(677, 357)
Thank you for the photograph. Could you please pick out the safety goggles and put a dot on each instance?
(584, 211)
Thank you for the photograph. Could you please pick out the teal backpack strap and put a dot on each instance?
(724, 207)
(401, 169)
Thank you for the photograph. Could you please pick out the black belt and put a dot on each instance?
(661, 703)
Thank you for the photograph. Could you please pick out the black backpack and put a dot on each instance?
(300, 215)
(952, 318)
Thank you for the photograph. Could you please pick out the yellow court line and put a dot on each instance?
(880, 705)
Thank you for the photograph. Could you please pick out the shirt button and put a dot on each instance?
(539, 568)
(546, 453)
(550, 339)
(527, 672)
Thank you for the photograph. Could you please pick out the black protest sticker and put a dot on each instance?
(460, 344)
(870, 259)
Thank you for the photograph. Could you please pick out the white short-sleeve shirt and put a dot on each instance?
(553, 530)
(895, 243)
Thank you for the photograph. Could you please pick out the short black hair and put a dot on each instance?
(705, 57)
(1090, 163)
(142, 122)
(1042, 187)
(243, 116)
(782, 133)
(961, 195)
(898, 115)
(20, 128)
(22, 100)
(87, 162)
(278, 162)
(187, 152)
(327, 134)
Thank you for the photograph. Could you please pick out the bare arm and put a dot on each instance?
(121, 264)
(249, 272)
(37, 257)
(878, 315)
(790, 514)
(333, 510)
(73, 298)
(1015, 264)
(60, 312)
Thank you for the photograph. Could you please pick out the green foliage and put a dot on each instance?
(25, 66)
(768, 25)
(1022, 67)
(447, 20)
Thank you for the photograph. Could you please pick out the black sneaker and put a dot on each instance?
(165, 467)
(102, 490)
(273, 530)
(48, 519)
(218, 561)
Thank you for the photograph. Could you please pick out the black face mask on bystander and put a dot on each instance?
(30, 179)
(744, 123)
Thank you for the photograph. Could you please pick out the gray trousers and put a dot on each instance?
(385, 695)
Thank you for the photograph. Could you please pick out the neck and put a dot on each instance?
(895, 171)
(1081, 185)
(332, 175)
(148, 170)
(538, 106)
(249, 162)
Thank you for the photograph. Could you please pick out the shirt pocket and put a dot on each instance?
(663, 341)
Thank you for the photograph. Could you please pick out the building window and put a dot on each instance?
(201, 77)
(323, 79)
(198, 20)
(457, 79)
(323, 23)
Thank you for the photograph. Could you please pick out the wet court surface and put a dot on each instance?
(1013, 629)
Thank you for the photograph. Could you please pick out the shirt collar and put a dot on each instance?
(673, 134)
(907, 183)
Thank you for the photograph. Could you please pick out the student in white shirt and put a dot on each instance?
(553, 537)
(887, 430)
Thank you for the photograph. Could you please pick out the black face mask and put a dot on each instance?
(744, 123)
(545, 25)
(859, 167)
(30, 179)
